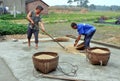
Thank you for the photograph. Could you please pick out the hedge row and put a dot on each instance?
(7, 28)
(11, 17)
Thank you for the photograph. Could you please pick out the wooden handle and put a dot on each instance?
(52, 38)
(61, 77)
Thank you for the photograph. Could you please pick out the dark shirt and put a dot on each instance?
(36, 20)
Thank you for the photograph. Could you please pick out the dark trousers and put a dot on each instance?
(35, 32)
(87, 39)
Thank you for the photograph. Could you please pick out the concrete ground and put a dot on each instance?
(5, 72)
(16, 63)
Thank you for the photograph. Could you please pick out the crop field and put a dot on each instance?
(78, 17)
(58, 24)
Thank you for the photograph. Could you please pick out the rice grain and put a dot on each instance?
(44, 56)
(99, 51)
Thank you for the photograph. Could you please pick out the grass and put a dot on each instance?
(53, 26)
(11, 17)
(67, 17)
(104, 33)
(77, 16)
(110, 20)
(8, 28)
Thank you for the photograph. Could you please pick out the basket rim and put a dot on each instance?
(47, 53)
(81, 45)
(103, 48)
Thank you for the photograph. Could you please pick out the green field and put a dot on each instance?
(58, 24)
(78, 17)
(53, 17)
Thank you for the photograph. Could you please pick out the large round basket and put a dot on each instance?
(80, 46)
(45, 65)
(98, 58)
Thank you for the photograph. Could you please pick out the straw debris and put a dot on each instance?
(61, 39)
(72, 49)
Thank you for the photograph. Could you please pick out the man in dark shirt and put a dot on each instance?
(33, 26)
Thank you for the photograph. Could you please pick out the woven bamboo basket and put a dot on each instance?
(80, 46)
(98, 58)
(45, 65)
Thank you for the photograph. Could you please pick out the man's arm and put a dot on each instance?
(29, 18)
(77, 40)
(42, 26)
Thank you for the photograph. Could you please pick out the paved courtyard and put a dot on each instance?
(16, 62)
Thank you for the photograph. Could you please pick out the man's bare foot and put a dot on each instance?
(28, 43)
(36, 46)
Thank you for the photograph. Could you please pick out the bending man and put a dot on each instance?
(86, 30)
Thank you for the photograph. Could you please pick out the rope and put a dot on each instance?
(73, 71)
(36, 74)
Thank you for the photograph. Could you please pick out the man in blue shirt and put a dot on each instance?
(86, 30)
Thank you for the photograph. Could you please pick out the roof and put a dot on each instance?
(30, 1)
(1, 1)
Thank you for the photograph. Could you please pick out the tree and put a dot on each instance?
(77, 2)
(82, 3)
(92, 7)
(114, 8)
(70, 2)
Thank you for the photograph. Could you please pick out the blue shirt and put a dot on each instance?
(84, 29)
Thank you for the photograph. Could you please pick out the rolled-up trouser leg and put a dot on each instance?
(87, 39)
(36, 32)
(29, 33)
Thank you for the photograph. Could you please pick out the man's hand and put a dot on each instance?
(32, 22)
(43, 30)
(42, 26)
(75, 44)
(77, 40)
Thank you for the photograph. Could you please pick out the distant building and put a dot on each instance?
(18, 5)
(23, 6)
(1, 3)
(32, 4)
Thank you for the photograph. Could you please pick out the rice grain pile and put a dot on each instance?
(99, 51)
(72, 49)
(61, 39)
(44, 56)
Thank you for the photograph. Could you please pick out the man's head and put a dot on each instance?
(39, 9)
(74, 25)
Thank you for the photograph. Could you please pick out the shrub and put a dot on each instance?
(10, 17)
(7, 28)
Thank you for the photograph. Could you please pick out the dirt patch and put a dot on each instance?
(2, 38)
(83, 11)
(113, 40)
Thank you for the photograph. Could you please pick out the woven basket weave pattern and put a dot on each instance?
(98, 58)
(45, 65)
